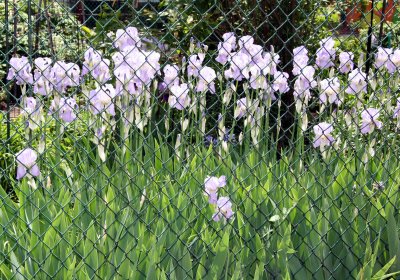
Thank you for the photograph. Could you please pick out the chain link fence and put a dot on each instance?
(252, 139)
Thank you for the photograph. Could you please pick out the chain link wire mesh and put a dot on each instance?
(199, 139)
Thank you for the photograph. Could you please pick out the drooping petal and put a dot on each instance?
(216, 217)
(317, 142)
(34, 171)
(21, 172)
(365, 128)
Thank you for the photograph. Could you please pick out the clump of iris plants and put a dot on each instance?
(137, 177)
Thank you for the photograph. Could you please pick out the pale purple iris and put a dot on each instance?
(261, 66)
(179, 98)
(43, 76)
(346, 62)
(134, 69)
(118, 59)
(330, 89)
(148, 66)
(171, 75)
(250, 62)
(304, 82)
(254, 51)
(300, 59)
(101, 99)
(239, 67)
(43, 65)
(65, 75)
(281, 82)
(67, 109)
(30, 104)
(257, 79)
(393, 63)
(125, 80)
(323, 135)
(207, 76)
(20, 70)
(91, 58)
(357, 82)
(245, 42)
(369, 120)
(241, 108)
(100, 131)
(96, 65)
(223, 209)
(32, 111)
(230, 38)
(127, 38)
(101, 72)
(226, 47)
(26, 160)
(326, 53)
(268, 63)
(382, 57)
(211, 186)
(195, 63)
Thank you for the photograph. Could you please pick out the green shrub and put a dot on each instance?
(64, 32)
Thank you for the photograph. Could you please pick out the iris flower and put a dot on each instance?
(370, 120)
(280, 82)
(226, 47)
(393, 63)
(300, 59)
(67, 109)
(32, 111)
(330, 89)
(135, 68)
(101, 99)
(127, 38)
(382, 57)
(20, 70)
(357, 82)
(195, 63)
(304, 82)
(346, 62)
(326, 53)
(43, 76)
(179, 98)
(224, 209)
(323, 135)
(171, 75)
(26, 160)
(65, 75)
(239, 67)
(211, 186)
(241, 108)
(96, 65)
(207, 76)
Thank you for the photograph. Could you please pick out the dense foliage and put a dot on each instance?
(120, 177)
(53, 31)
(146, 158)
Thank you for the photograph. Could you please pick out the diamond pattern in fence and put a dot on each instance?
(199, 139)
